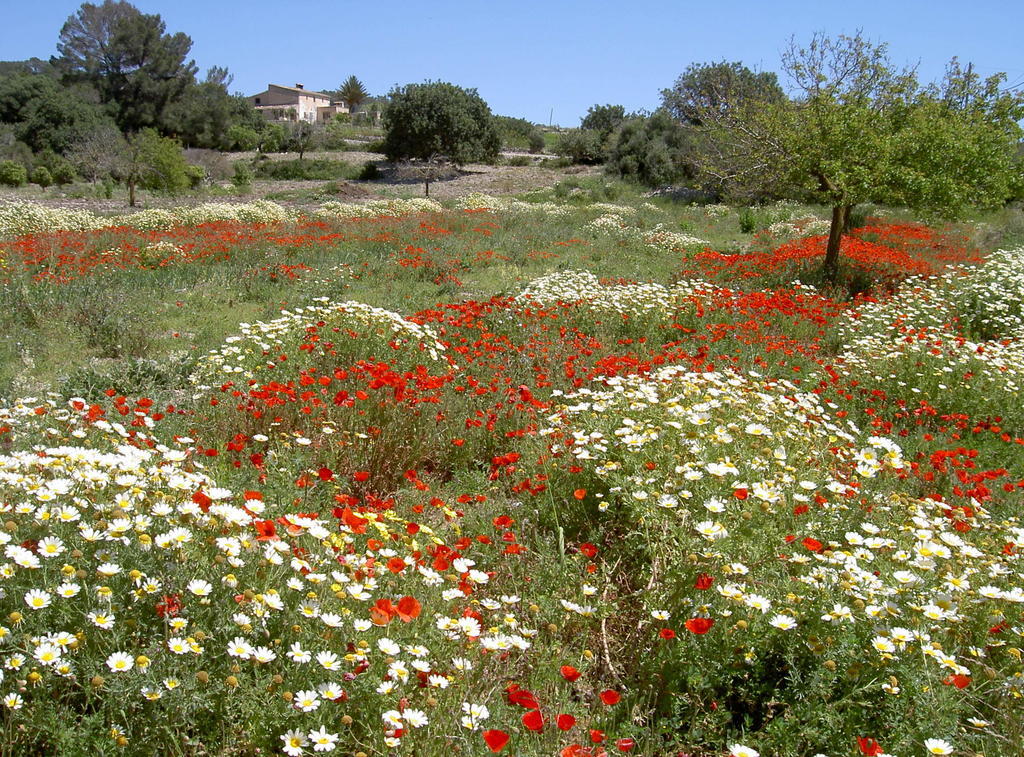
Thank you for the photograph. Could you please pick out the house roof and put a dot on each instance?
(300, 91)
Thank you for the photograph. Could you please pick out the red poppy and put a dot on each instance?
(496, 740)
(960, 681)
(667, 633)
(265, 530)
(580, 493)
(408, 608)
(521, 697)
(201, 499)
(812, 544)
(625, 745)
(565, 722)
(869, 747)
(704, 581)
(361, 476)
(610, 697)
(596, 736)
(699, 625)
(534, 721)
(325, 474)
(382, 612)
(569, 673)
(396, 565)
(588, 550)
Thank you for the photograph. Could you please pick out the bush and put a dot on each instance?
(652, 151)
(63, 172)
(369, 172)
(243, 175)
(42, 177)
(157, 163)
(536, 140)
(319, 170)
(12, 174)
(241, 138)
(196, 176)
(581, 146)
(272, 138)
(604, 119)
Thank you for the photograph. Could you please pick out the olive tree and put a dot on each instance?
(860, 130)
(438, 121)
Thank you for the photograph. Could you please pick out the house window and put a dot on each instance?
(257, 101)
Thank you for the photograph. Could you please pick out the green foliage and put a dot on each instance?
(320, 169)
(155, 163)
(719, 87)
(353, 93)
(369, 172)
(126, 55)
(242, 176)
(272, 138)
(424, 121)
(654, 151)
(863, 131)
(46, 115)
(242, 138)
(519, 134)
(63, 173)
(603, 119)
(581, 146)
(12, 174)
(41, 176)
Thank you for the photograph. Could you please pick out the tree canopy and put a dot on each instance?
(129, 58)
(353, 93)
(861, 130)
(434, 119)
(706, 87)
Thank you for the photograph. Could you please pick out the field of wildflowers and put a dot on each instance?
(507, 477)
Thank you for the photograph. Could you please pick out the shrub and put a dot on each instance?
(320, 169)
(242, 176)
(652, 151)
(241, 138)
(603, 119)
(63, 172)
(536, 140)
(369, 172)
(581, 146)
(12, 174)
(42, 177)
(196, 176)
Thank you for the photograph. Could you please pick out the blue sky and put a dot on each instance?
(539, 60)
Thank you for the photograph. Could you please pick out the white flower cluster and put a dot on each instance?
(915, 339)
(510, 205)
(800, 227)
(991, 299)
(583, 287)
(258, 347)
(19, 218)
(618, 225)
(376, 208)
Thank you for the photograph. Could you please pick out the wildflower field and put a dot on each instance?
(548, 477)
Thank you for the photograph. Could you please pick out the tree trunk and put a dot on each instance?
(426, 187)
(131, 193)
(848, 221)
(830, 268)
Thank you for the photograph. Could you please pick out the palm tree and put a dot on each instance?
(353, 93)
